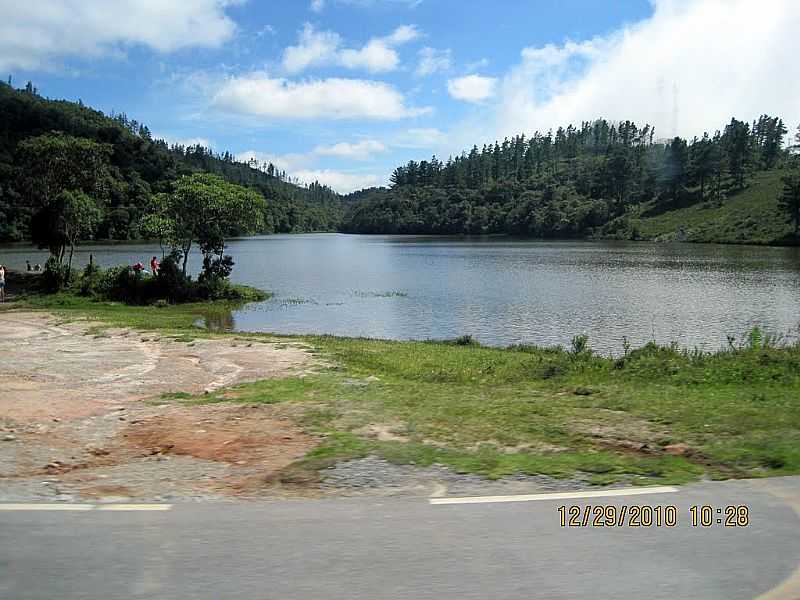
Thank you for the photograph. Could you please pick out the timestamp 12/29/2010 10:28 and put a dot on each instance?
(652, 516)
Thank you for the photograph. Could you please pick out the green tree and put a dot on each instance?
(206, 210)
(676, 166)
(789, 200)
(59, 174)
(156, 225)
(736, 141)
(80, 216)
(71, 217)
(701, 162)
(53, 163)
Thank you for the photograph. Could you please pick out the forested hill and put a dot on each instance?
(600, 179)
(140, 167)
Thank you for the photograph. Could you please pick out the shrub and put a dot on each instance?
(55, 275)
(216, 268)
(466, 340)
(90, 279)
(580, 345)
(120, 283)
(170, 285)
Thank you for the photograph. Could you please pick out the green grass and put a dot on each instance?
(497, 412)
(523, 410)
(751, 216)
(172, 317)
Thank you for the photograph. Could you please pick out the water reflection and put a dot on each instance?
(218, 321)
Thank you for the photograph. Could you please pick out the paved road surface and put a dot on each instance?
(375, 549)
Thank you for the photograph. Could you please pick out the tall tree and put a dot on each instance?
(736, 141)
(80, 216)
(205, 209)
(60, 172)
(676, 166)
(701, 162)
(789, 199)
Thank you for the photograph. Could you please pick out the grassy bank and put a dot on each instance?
(651, 415)
(751, 216)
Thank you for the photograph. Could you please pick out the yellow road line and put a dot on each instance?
(127, 507)
(42, 506)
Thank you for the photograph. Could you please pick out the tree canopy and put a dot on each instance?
(139, 166)
(572, 182)
(206, 210)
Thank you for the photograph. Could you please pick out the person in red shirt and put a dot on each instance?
(154, 265)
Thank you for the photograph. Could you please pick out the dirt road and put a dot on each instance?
(74, 422)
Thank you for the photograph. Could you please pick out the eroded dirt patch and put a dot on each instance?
(64, 370)
(73, 424)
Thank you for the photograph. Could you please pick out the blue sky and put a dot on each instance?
(344, 90)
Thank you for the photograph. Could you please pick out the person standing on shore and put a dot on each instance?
(2, 284)
(154, 266)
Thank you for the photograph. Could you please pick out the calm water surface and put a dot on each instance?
(502, 291)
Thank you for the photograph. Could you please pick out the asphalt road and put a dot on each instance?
(369, 548)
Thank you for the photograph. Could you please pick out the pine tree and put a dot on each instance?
(736, 141)
(701, 164)
(789, 200)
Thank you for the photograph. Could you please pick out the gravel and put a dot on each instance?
(373, 475)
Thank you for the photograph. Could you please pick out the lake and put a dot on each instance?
(500, 290)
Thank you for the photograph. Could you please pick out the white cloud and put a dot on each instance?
(320, 48)
(299, 166)
(688, 68)
(402, 35)
(283, 162)
(260, 95)
(420, 138)
(187, 142)
(317, 5)
(472, 88)
(313, 48)
(338, 180)
(36, 34)
(432, 60)
(362, 150)
(375, 57)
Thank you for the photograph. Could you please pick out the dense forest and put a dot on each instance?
(140, 167)
(602, 179)
(598, 180)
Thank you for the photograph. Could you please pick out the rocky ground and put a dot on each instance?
(81, 414)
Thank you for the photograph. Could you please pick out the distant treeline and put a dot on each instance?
(576, 182)
(141, 166)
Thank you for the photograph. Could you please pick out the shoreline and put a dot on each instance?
(548, 417)
(87, 245)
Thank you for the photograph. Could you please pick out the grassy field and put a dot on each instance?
(751, 216)
(650, 415)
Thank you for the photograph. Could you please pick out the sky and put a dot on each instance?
(343, 91)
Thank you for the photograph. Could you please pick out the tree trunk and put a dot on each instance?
(185, 257)
(69, 264)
